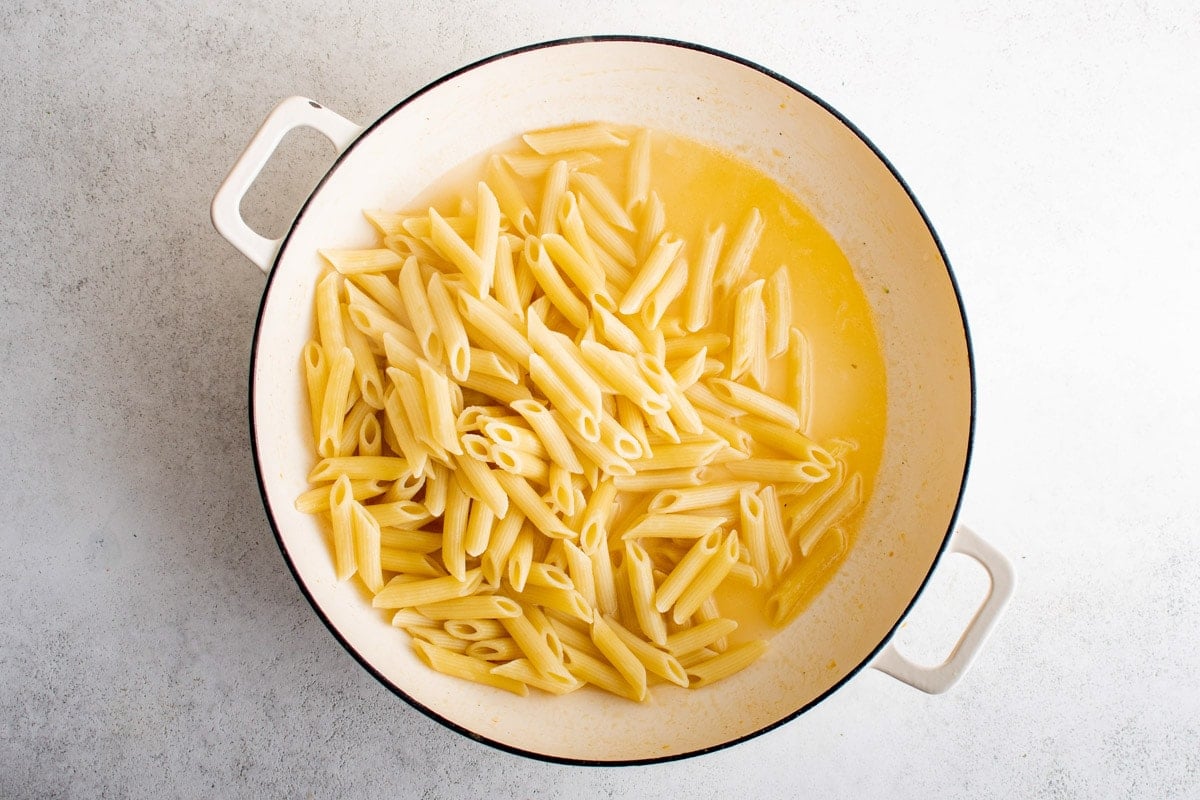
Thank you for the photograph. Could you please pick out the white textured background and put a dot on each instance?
(152, 643)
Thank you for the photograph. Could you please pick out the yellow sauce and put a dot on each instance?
(701, 187)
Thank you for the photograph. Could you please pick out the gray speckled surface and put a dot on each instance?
(154, 644)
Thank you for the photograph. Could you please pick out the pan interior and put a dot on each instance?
(809, 150)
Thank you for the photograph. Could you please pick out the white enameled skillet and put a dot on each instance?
(740, 107)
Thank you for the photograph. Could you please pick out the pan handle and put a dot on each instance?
(937, 679)
(292, 113)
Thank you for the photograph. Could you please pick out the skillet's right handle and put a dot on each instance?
(935, 680)
(292, 113)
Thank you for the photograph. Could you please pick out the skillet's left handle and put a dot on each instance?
(292, 113)
(935, 680)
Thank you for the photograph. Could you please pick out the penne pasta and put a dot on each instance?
(370, 436)
(659, 479)
(528, 165)
(679, 456)
(669, 288)
(680, 409)
(651, 273)
(408, 563)
(366, 371)
(777, 301)
(480, 522)
(590, 669)
(487, 236)
(341, 512)
(522, 495)
(430, 634)
(576, 448)
(600, 196)
(493, 650)
(674, 501)
(731, 662)
(553, 284)
(637, 185)
(700, 635)
(497, 325)
(558, 355)
(316, 500)
(698, 301)
(454, 529)
(588, 278)
(753, 529)
(674, 526)
(707, 579)
(509, 197)
(353, 262)
(570, 222)
(416, 304)
(554, 440)
(418, 541)
(741, 251)
(640, 581)
(778, 549)
(691, 370)
(489, 607)
(329, 314)
(515, 436)
(486, 483)
(523, 671)
(386, 222)
(334, 404)
(523, 463)
(778, 469)
(686, 571)
(383, 468)
(604, 576)
(500, 545)
(473, 630)
(579, 568)
(450, 329)
(401, 514)
(754, 402)
(439, 404)
(589, 136)
(520, 558)
(490, 364)
(617, 653)
(840, 505)
(607, 236)
(787, 440)
(799, 377)
(711, 342)
(552, 191)
(384, 293)
(534, 645)
(316, 373)
(574, 409)
(656, 662)
(409, 594)
(505, 282)
(454, 249)
(462, 666)
(799, 586)
(436, 489)
(413, 451)
(653, 222)
(749, 335)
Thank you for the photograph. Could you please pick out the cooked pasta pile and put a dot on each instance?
(546, 440)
